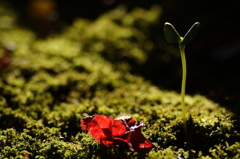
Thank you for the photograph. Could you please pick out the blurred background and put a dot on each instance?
(213, 59)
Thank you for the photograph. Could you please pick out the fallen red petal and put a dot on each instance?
(99, 127)
(121, 131)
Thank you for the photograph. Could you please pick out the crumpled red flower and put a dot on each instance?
(121, 131)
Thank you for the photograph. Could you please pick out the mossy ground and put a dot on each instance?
(54, 82)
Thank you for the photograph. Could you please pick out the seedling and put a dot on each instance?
(172, 36)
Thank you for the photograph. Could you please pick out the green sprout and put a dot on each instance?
(172, 36)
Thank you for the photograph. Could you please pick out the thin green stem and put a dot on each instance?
(184, 74)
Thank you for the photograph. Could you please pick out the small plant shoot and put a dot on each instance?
(172, 36)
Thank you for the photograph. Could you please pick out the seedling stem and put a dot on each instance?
(184, 74)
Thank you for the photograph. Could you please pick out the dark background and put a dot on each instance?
(213, 59)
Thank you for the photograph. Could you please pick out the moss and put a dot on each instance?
(52, 83)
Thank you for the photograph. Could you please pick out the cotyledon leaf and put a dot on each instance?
(171, 34)
(191, 34)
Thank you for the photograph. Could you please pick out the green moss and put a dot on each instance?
(52, 83)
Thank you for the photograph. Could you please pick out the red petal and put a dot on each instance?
(104, 122)
(85, 123)
(139, 142)
(134, 138)
(131, 122)
(100, 128)
(118, 128)
(121, 131)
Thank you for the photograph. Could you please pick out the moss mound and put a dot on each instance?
(52, 83)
